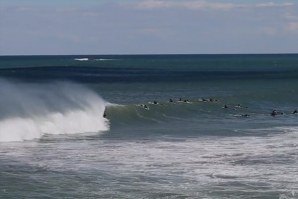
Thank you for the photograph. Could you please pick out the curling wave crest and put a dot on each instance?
(29, 111)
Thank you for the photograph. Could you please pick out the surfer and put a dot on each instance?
(155, 102)
(144, 106)
(170, 100)
(238, 106)
(225, 106)
(104, 114)
(295, 111)
(273, 113)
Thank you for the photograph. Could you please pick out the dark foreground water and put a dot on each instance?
(55, 142)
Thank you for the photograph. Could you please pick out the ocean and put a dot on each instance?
(149, 126)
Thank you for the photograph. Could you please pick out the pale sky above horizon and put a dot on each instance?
(35, 27)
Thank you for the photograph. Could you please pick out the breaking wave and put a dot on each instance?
(29, 111)
(81, 59)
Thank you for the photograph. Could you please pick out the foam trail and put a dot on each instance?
(103, 59)
(28, 111)
(81, 59)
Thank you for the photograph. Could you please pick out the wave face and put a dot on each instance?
(29, 111)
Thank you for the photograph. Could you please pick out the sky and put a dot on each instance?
(64, 27)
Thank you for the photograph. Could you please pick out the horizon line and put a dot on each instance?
(147, 54)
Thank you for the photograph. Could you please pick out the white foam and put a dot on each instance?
(81, 59)
(30, 111)
(103, 59)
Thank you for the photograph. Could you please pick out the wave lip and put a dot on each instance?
(31, 111)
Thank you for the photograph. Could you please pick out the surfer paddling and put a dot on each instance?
(275, 113)
(145, 106)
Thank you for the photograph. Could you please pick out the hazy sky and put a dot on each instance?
(148, 26)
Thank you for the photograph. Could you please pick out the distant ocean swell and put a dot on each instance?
(111, 74)
(29, 111)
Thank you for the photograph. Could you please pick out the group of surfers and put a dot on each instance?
(273, 113)
(180, 100)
